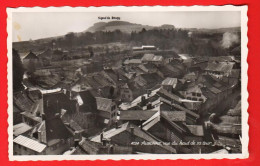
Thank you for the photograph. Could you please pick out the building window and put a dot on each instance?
(199, 94)
(200, 99)
(193, 94)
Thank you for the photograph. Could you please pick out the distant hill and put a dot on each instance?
(124, 26)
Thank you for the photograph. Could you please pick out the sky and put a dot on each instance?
(38, 25)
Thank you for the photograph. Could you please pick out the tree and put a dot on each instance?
(18, 71)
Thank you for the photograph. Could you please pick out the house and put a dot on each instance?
(29, 104)
(21, 129)
(126, 94)
(148, 80)
(195, 94)
(86, 146)
(169, 57)
(219, 69)
(175, 116)
(149, 47)
(50, 137)
(170, 84)
(132, 136)
(31, 62)
(163, 128)
(148, 68)
(151, 58)
(86, 109)
(175, 104)
(107, 110)
(144, 47)
(75, 129)
(177, 132)
(136, 116)
(54, 103)
(169, 70)
(132, 62)
(23, 145)
(190, 77)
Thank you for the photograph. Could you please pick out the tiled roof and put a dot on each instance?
(176, 115)
(170, 81)
(104, 104)
(220, 66)
(89, 147)
(29, 143)
(110, 133)
(157, 118)
(148, 57)
(196, 130)
(181, 108)
(20, 129)
(137, 132)
(195, 89)
(136, 115)
(75, 126)
(31, 55)
(22, 101)
(157, 58)
(132, 61)
(56, 129)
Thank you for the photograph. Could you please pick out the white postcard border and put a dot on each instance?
(244, 82)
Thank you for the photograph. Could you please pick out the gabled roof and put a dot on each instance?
(169, 96)
(195, 89)
(110, 133)
(54, 102)
(20, 129)
(196, 130)
(56, 129)
(31, 55)
(89, 147)
(89, 101)
(157, 58)
(148, 57)
(157, 118)
(176, 116)
(132, 61)
(73, 125)
(137, 132)
(29, 143)
(179, 107)
(136, 115)
(104, 104)
(220, 66)
(170, 81)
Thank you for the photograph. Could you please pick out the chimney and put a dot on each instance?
(104, 142)
(76, 143)
(228, 149)
(141, 125)
(148, 92)
(149, 105)
(43, 117)
(132, 130)
(101, 137)
(116, 125)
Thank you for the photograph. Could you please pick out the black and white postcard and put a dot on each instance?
(91, 83)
